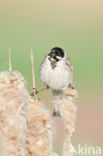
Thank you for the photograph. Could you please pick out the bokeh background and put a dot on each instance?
(77, 27)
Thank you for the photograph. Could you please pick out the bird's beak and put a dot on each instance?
(51, 54)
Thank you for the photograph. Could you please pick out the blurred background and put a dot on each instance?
(75, 26)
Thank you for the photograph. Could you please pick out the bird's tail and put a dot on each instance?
(57, 96)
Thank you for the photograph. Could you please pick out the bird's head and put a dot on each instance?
(56, 54)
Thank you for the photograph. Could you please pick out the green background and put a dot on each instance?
(77, 27)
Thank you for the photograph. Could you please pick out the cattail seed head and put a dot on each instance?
(13, 101)
(39, 134)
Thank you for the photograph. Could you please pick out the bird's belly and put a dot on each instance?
(57, 78)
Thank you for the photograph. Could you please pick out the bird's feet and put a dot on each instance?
(71, 86)
(56, 113)
(43, 89)
(35, 92)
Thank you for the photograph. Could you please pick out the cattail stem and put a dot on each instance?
(33, 73)
(10, 63)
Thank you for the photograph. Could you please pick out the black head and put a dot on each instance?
(56, 52)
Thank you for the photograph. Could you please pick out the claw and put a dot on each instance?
(34, 92)
(71, 86)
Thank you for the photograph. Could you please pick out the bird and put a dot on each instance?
(56, 73)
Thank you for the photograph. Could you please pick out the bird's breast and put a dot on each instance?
(56, 78)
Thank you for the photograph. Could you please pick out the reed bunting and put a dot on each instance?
(56, 73)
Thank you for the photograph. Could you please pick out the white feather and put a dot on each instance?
(57, 78)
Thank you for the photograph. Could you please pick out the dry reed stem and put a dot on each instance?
(10, 62)
(33, 73)
(68, 111)
(13, 100)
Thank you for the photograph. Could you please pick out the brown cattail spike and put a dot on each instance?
(33, 74)
(10, 63)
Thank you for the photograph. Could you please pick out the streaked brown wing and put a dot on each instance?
(43, 62)
(69, 65)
